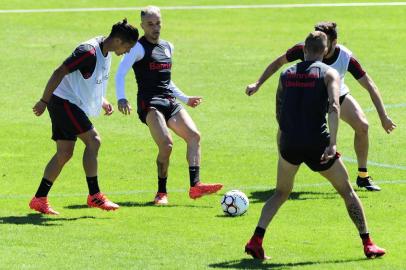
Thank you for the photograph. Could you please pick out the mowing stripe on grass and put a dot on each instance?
(270, 6)
(132, 192)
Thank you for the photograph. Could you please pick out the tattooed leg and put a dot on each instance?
(338, 177)
(356, 212)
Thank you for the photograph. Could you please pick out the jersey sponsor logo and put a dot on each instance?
(159, 66)
(302, 75)
(300, 84)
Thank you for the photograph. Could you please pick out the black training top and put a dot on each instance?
(302, 103)
(153, 71)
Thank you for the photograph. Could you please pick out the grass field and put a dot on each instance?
(217, 53)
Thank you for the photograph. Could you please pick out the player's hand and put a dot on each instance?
(194, 101)
(388, 124)
(252, 88)
(328, 154)
(124, 106)
(107, 107)
(39, 108)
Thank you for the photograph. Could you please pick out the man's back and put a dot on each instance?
(302, 103)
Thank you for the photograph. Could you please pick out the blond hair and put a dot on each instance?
(150, 10)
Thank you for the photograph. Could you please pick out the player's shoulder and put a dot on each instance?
(297, 46)
(344, 49)
(289, 69)
(166, 43)
(89, 46)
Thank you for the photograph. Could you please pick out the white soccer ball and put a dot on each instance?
(234, 203)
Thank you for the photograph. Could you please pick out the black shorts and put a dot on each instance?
(168, 106)
(310, 155)
(342, 98)
(68, 120)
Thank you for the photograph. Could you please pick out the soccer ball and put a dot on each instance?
(234, 203)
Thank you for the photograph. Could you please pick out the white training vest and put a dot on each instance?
(87, 94)
(341, 65)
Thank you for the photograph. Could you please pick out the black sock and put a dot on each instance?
(259, 232)
(194, 175)
(364, 236)
(162, 184)
(92, 184)
(43, 188)
(362, 169)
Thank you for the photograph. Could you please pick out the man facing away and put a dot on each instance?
(76, 90)
(341, 59)
(151, 61)
(307, 92)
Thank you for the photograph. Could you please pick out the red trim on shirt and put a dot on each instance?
(72, 117)
(80, 59)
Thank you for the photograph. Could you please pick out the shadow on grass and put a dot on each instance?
(263, 195)
(38, 219)
(258, 264)
(141, 204)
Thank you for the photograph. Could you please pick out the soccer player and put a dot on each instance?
(151, 60)
(307, 92)
(76, 90)
(341, 59)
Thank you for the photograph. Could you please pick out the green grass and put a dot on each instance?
(217, 53)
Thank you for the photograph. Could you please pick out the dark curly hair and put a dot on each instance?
(328, 28)
(124, 31)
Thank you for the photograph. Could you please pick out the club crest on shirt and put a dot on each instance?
(167, 52)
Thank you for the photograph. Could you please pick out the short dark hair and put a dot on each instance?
(316, 42)
(124, 31)
(328, 28)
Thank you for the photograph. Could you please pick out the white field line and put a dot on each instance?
(377, 164)
(389, 106)
(269, 6)
(244, 188)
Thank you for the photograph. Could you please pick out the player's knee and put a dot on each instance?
(165, 148)
(94, 143)
(64, 156)
(194, 137)
(362, 126)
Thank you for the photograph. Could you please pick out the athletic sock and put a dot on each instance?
(92, 184)
(162, 184)
(43, 188)
(363, 172)
(259, 232)
(194, 175)
(364, 237)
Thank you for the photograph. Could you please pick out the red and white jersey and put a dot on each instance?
(87, 93)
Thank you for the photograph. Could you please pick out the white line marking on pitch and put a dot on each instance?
(132, 192)
(270, 6)
(377, 164)
(389, 106)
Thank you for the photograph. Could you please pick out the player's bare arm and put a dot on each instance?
(332, 80)
(367, 83)
(269, 71)
(53, 82)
